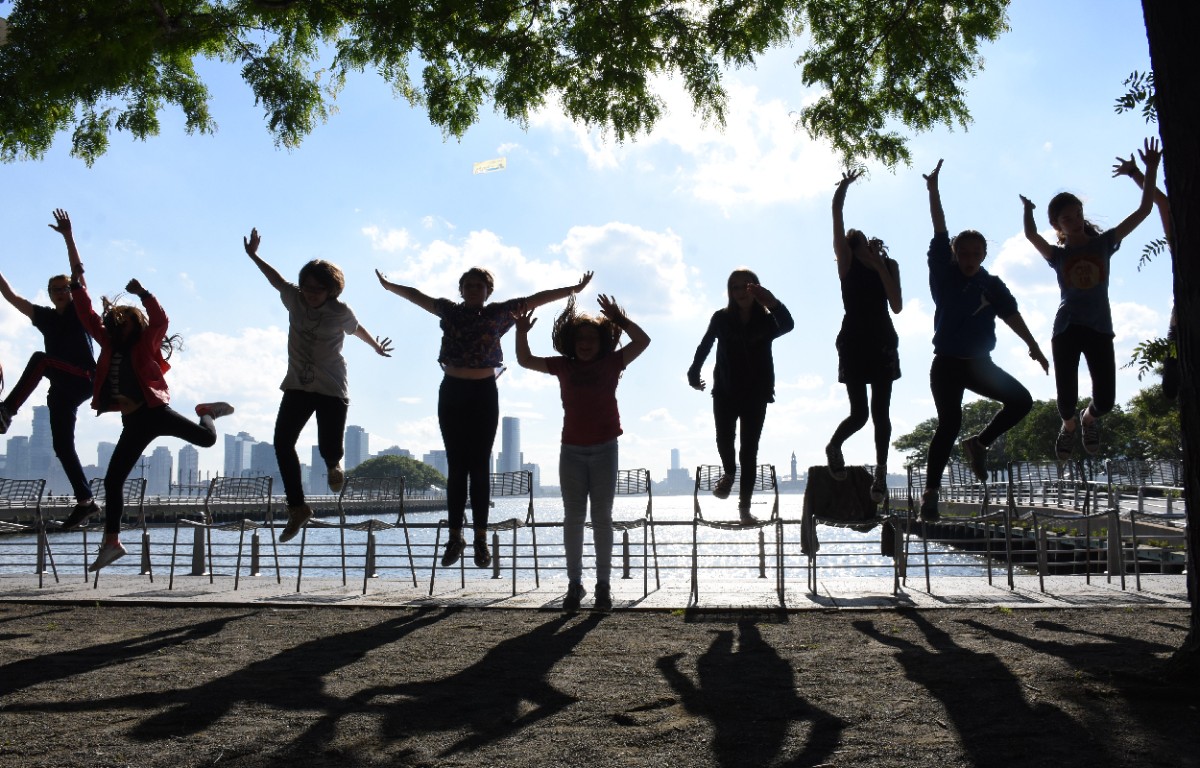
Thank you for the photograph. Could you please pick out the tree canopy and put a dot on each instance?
(94, 66)
(417, 475)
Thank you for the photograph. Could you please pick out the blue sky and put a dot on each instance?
(661, 220)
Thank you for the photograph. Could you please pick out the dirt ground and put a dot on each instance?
(206, 686)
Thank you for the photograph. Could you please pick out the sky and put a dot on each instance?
(661, 220)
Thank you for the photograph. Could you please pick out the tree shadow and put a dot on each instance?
(30, 672)
(985, 702)
(504, 692)
(749, 696)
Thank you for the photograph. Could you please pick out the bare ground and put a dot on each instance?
(205, 686)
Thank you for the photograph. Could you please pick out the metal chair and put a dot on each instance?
(135, 499)
(707, 476)
(228, 502)
(503, 484)
(1064, 523)
(364, 493)
(1152, 492)
(635, 482)
(27, 494)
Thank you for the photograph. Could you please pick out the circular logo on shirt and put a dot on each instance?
(1083, 271)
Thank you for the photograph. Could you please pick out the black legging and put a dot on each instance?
(1097, 350)
(138, 430)
(295, 409)
(880, 413)
(949, 378)
(468, 412)
(727, 411)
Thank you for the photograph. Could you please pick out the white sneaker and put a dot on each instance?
(107, 554)
(216, 410)
(336, 478)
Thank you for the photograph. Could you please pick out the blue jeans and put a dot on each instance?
(588, 471)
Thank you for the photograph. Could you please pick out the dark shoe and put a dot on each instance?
(879, 489)
(80, 514)
(216, 410)
(454, 549)
(837, 464)
(1090, 434)
(603, 600)
(724, 486)
(298, 515)
(483, 554)
(744, 516)
(575, 593)
(929, 505)
(5, 419)
(1064, 444)
(976, 455)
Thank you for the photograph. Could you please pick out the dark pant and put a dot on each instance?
(70, 388)
(727, 411)
(949, 378)
(138, 430)
(1097, 349)
(468, 412)
(295, 409)
(880, 412)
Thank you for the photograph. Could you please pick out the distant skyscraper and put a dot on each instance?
(536, 471)
(396, 450)
(357, 447)
(18, 458)
(189, 465)
(510, 445)
(674, 458)
(41, 447)
(437, 460)
(158, 472)
(104, 452)
(264, 464)
(237, 453)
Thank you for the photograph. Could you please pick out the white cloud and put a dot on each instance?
(662, 418)
(390, 241)
(1134, 323)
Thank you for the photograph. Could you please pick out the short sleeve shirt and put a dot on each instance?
(1083, 273)
(65, 339)
(471, 335)
(589, 398)
(315, 361)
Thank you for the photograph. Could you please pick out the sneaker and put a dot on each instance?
(879, 488)
(298, 515)
(837, 464)
(483, 553)
(80, 514)
(575, 593)
(603, 600)
(929, 505)
(724, 486)
(1090, 434)
(975, 453)
(336, 478)
(5, 419)
(454, 550)
(216, 410)
(107, 554)
(1064, 444)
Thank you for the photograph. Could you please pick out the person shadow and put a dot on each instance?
(985, 701)
(749, 696)
(504, 692)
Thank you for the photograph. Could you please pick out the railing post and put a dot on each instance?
(496, 554)
(370, 565)
(198, 552)
(625, 554)
(145, 553)
(254, 547)
(762, 555)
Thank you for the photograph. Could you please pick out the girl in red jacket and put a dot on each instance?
(134, 348)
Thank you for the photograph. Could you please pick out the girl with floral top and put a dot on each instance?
(468, 401)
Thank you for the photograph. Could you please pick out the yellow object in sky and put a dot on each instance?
(488, 166)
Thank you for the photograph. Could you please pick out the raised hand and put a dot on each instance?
(850, 176)
(251, 243)
(1151, 153)
(135, 287)
(62, 222)
(762, 295)
(931, 178)
(1029, 205)
(524, 320)
(385, 346)
(610, 309)
(583, 281)
(1125, 167)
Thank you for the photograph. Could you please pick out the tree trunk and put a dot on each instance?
(1170, 28)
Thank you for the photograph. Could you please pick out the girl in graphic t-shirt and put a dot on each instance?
(1083, 324)
(588, 368)
(468, 401)
(316, 374)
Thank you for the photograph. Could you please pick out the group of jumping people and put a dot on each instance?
(134, 349)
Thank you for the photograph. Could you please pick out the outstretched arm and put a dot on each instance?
(555, 294)
(62, 225)
(382, 346)
(1031, 231)
(426, 303)
(1130, 168)
(841, 246)
(935, 199)
(1150, 154)
(1017, 323)
(638, 338)
(21, 303)
(276, 280)
(525, 358)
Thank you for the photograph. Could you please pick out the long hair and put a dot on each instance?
(1055, 209)
(115, 315)
(744, 272)
(569, 321)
